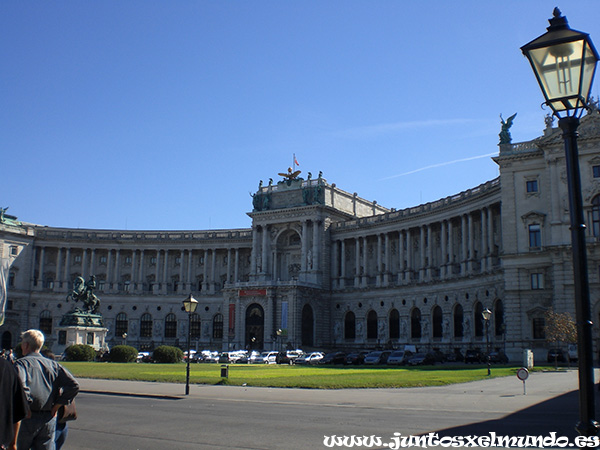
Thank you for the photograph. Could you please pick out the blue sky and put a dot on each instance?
(166, 114)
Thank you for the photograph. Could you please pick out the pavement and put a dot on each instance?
(547, 402)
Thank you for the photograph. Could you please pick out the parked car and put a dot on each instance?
(283, 358)
(399, 357)
(224, 358)
(312, 358)
(143, 357)
(334, 358)
(455, 356)
(418, 359)
(294, 354)
(356, 358)
(572, 352)
(498, 357)
(378, 357)
(253, 356)
(556, 355)
(472, 356)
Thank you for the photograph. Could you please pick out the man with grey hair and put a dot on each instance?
(47, 385)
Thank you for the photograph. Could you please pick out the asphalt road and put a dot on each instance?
(131, 415)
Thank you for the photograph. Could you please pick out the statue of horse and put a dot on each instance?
(84, 292)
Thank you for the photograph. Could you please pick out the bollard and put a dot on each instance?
(224, 371)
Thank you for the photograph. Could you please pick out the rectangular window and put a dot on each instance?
(537, 281)
(539, 328)
(535, 236)
(532, 186)
(153, 260)
(103, 260)
(596, 171)
(14, 250)
(77, 259)
(128, 260)
(177, 260)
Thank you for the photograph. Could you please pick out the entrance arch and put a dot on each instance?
(255, 327)
(308, 326)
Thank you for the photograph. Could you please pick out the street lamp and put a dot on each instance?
(189, 304)
(486, 317)
(564, 62)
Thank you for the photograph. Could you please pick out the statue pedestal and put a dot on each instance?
(77, 327)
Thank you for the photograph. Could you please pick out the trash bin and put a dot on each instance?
(225, 371)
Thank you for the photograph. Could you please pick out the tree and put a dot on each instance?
(560, 327)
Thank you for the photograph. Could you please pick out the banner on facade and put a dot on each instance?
(284, 318)
(252, 293)
(232, 319)
(3, 285)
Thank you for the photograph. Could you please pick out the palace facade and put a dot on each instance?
(325, 269)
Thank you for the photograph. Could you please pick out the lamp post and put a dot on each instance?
(564, 62)
(486, 317)
(189, 304)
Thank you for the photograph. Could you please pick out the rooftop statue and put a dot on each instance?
(84, 292)
(505, 137)
(290, 175)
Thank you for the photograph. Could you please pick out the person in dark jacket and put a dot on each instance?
(14, 404)
(48, 385)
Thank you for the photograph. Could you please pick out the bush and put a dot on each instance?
(80, 352)
(167, 354)
(123, 353)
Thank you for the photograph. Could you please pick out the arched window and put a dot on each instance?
(121, 324)
(394, 324)
(596, 215)
(350, 325)
(146, 325)
(499, 318)
(171, 326)
(195, 326)
(458, 321)
(437, 317)
(46, 323)
(372, 325)
(478, 319)
(218, 326)
(415, 324)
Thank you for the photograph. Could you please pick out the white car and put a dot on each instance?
(311, 358)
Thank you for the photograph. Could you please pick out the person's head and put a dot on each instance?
(32, 341)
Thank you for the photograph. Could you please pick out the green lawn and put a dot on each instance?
(322, 377)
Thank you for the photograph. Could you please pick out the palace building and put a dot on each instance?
(322, 268)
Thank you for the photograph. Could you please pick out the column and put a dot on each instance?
(155, 288)
(67, 269)
(401, 266)
(205, 271)
(117, 274)
(483, 246)
(335, 273)
(40, 280)
(84, 264)
(93, 262)
(265, 242)
(378, 275)
(343, 264)
(365, 273)
(229, 265)
(315, 246)
(108, 270)
(182, 280)
(465, 237)
(471, 252)
(444, 249)
(57, 275)
(141, 272)
(422, 252)
(236, 275)
(357, 262)
(304, 246)
(254, 250)
(450, 267)
(429, 262)
(490, 237)
(409, 256)
(189, 271)
(388, 261)
(213, 281)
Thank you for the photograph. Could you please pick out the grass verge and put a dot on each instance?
(316, 377)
